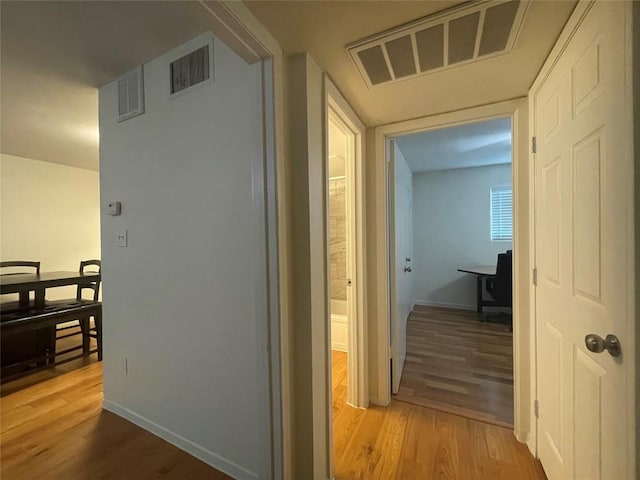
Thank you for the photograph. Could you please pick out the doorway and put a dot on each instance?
(340, 142)
(347, 384)
(516, 110)
(451, 251)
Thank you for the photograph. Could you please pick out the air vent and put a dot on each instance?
(130, 94)
(468, 33)
(191, 70)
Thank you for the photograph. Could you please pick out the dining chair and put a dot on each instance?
(84, 322)
(21, 265)
(18, 267)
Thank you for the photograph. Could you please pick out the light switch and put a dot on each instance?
(114, 208)
(121, 238)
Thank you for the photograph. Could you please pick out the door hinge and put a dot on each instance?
(536, 408)
(534, 276)
(534, 145)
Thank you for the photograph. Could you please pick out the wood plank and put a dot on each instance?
(458, 364)
(57, 429)
(412, 442)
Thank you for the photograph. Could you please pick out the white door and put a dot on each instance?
(401, 260)
(584, 252)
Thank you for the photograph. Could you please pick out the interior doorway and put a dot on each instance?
(340, 141)
(450, 277)
(345, 255)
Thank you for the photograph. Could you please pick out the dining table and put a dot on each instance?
(19, 348)
(23, 283)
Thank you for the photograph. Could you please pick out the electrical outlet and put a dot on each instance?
(121, 238)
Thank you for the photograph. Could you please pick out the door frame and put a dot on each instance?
(357, 388)
(516, 109)
(235, 25)
(632, 16)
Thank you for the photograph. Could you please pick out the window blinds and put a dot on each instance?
(501, 214)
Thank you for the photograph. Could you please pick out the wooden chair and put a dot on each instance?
(29, 344)
(86, 308)
(18, 267)
(20, 264)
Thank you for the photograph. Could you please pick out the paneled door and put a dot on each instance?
(584, 249)
(400, 261)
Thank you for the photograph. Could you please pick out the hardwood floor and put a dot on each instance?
(411, 442)
(457, 364)
(42, 375)
(56, 430)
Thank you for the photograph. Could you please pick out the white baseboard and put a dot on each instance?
(207, 456)
(459, 306)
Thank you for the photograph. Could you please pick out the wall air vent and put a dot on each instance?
(191, 70)
(130, 94)
(458, 36)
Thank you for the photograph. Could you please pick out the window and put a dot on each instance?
(501, 214)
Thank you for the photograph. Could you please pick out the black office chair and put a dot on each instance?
(500, 287)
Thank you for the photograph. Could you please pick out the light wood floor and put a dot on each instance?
(411, 442)
(61, 345)
(57, 430)
(457, 364)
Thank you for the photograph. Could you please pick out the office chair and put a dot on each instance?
(500, 287)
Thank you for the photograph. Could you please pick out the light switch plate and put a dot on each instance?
(121, 238)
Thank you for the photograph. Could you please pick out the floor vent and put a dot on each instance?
(130, 94)
(468, 33)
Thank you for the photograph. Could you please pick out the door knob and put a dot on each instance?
(596, 344)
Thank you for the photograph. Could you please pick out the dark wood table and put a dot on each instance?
(481, 272)
(20, 348)
(23, 283)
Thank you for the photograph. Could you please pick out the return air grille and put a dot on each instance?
(131, 94)
(448, 39)
(191, 70)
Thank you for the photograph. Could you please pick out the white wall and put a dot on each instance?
(452, 228)
(50, 213)
(184, 302)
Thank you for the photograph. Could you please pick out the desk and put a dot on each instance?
(22, 283)
(480, 271)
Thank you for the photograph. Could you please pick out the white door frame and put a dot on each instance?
(559, 47)
(357, 389)
(234, 24)
(524, 422)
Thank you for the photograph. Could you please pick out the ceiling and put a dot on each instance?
(56, 53)
(324, 28)
(471, 145)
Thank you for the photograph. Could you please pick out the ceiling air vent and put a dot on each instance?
(130, 94)
(192, 70)
(468, 33)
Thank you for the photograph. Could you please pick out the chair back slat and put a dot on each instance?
(93, 286)
(22, 265)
